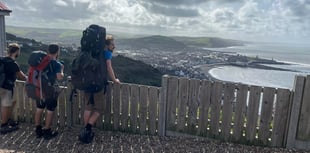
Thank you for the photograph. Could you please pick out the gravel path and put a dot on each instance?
(24, 140)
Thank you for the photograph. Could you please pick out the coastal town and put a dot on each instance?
(194, 62)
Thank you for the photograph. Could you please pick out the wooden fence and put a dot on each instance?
(227, 111)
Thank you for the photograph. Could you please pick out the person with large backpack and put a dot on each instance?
(90, 70)
(46, 97)
(10, 71)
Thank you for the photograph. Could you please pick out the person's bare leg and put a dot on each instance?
(93, 118)
(5, 114)
(37, 117)
(86, 116)
(49, 119)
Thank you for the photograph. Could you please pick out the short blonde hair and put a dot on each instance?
(13, 48)
(108, 39)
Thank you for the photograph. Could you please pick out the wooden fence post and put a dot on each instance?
(295, 109)
(70, 95)
(162, 106)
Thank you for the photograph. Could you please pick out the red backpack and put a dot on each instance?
(37, 84)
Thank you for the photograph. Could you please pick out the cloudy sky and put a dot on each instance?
(262, 20)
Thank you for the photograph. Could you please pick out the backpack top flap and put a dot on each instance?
(93, 40)
(39, 60)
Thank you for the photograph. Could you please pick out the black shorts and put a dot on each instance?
(49, 104)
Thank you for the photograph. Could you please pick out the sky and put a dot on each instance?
(254, 20)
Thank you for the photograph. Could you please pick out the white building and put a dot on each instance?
(4, 11)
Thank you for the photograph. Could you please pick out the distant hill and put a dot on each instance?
(152, 43)
(127, 70)
(73, 36)
(209, 42)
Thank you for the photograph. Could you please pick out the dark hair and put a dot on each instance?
(13, 48)
(53, 48)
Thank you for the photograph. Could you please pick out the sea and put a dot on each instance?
(297, 55)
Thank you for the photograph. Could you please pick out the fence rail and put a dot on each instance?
(226, 111)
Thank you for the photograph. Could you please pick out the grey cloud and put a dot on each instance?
(48, 10)
(171, 10)
(299, 8)
(176, 2)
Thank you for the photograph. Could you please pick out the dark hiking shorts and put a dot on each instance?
(49, 104)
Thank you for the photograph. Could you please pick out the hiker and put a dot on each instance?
(50, 103)
(12, 72)
(91, 113)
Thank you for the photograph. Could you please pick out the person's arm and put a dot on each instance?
(21, 75)
(111, 72)
(60, 75)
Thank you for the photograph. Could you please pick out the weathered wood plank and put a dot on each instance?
(82, 104)
(240, 111)
(107, 107)
(27, 109)
(193, 103)
(266, 114)
(15, 112)
(134, 100)
(116, 105)
(304, 118)
(125, 103)
(69, 102)
(100, 97)
(183, 95)
(76, 100)
(216, 100)
(62, 109)
(171, 102)
(163, 106)
(280, 118)
(153, 103)
(252, 112)
(295, 110)
(21, 102)
(229, 93)
(205, 97)
(143, 108)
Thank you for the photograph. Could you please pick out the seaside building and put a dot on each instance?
(4, 11)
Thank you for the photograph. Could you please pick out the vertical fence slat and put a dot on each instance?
(304, 119)
(296, 104)
(171, 102)
(116, 105)
(76, 100)
(101, 97)
(62, 108)
(280, 118)
(27, 109)
(227, 109)
(163, 107)
(134, 100)
(69, 101)
(193, 103)
(266, 114)
(153, 101)
(80, 112)
(240, 111)
(15, 112)
(205, 96)
(107, 107)
(124, 104)
(143, 108)
(21, 102)
(252, 112)
(216, 99)
(183, 95)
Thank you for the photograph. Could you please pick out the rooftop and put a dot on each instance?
(4, 8)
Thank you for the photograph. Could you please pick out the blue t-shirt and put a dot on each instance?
(108, 55)
(56, 68)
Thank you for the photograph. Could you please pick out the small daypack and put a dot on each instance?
(3, 62)
(89, 70)
(2, 72)
(39, 86)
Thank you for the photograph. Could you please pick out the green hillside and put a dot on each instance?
(127, 70)
(209, 42)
